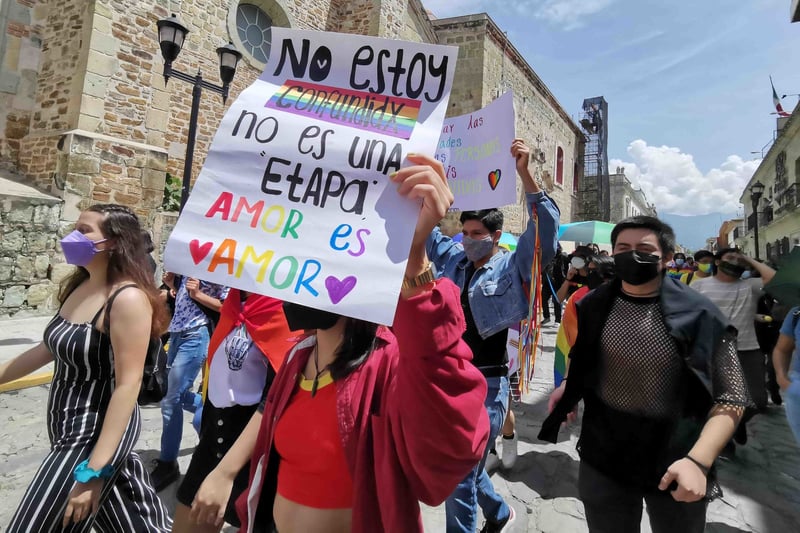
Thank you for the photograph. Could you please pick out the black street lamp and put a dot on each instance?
(171, 35)
(756, 191)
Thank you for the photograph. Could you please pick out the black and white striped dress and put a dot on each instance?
(79, 396)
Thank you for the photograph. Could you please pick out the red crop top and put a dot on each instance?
(313, 469)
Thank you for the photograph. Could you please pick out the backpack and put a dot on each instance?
(154, 375)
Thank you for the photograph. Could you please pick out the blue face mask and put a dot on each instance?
(679, 262)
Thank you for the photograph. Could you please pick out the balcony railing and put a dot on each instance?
(787, 200)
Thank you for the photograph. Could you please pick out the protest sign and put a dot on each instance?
(294, 200)
(475, 150)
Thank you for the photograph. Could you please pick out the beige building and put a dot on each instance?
(777, 210)
(626, 200)
(85, 115)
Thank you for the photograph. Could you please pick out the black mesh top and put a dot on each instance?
(642, 372)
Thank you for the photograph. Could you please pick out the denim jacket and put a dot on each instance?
(498, 295)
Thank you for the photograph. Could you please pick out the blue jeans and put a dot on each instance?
(185, 357)
(791, 400)
(477, 489)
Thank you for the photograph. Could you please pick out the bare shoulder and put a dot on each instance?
(130, 301)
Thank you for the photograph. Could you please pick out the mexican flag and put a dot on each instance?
(777, 101)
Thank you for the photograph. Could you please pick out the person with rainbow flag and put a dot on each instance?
(245, 352)
(494, 297)
(600, 269)
(656, 366)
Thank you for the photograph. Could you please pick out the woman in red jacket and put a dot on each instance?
(363, 421)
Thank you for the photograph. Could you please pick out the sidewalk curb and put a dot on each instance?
(27, 381)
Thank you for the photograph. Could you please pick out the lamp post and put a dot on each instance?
(756, 190)
(171, 35)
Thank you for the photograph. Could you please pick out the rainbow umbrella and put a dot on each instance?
(589, 231)
(507, 241)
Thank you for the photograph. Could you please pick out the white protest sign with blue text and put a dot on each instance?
(475, 150)
(294, 200)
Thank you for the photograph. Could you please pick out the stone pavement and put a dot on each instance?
(761, 485)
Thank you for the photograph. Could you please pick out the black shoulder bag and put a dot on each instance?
(154, 375)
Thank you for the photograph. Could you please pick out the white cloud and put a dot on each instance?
(672, 181)
(569, 14)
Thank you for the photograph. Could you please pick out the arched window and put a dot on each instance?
(560, 166)
(575, 183)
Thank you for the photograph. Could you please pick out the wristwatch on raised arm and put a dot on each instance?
(427, 275)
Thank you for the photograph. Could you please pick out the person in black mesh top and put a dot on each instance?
(655, 363)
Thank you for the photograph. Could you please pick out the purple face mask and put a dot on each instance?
(79, 249)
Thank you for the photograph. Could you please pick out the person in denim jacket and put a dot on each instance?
(786, 358)
(494, 295)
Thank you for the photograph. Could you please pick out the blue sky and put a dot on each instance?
(687, 82)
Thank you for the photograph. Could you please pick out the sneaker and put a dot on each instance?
(545, 320)
(498, 527)
(492, 461)
(775, 396)
(509, 451)
(164, 474)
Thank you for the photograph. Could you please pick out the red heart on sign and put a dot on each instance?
(494, 178)
(199, 251)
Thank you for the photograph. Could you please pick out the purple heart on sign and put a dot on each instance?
(339, 289)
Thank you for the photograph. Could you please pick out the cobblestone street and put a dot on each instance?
(761, 485)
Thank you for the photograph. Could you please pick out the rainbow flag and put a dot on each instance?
(389, 115)
(562, 351)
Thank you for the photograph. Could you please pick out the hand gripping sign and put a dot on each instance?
(294, 200)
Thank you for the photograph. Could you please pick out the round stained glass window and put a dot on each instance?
(254, 27)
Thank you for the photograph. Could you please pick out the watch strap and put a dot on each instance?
(428, 275)
(84, 474)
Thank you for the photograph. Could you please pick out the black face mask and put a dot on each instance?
(734, 270)
(301, 317)
(594, 279)
(580, 279)
(636, 268)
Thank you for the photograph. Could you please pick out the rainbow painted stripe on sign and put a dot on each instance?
(387, 115)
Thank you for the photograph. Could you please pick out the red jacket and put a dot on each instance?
(412, 418)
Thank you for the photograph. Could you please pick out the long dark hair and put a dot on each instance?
(126, 260)
(359, 341)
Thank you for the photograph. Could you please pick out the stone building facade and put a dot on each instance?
(86, 117)
(626, 200)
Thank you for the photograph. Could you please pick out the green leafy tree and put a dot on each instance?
(172, 193)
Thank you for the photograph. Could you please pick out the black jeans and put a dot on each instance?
(612, 507)
(547, 295)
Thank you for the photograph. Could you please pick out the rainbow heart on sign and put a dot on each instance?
(199, 251)
(494, 178)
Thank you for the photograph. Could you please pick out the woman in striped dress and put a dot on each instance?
(92, 478)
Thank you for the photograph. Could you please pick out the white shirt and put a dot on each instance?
(228, 387)
(738, 301)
